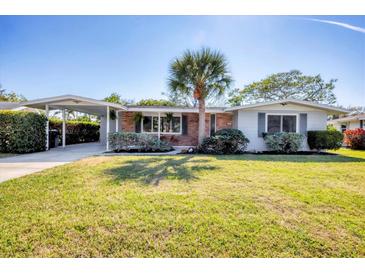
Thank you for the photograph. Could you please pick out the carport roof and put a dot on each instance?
(73, 102)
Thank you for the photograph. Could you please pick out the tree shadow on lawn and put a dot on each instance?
(152, 170)
(314, 158)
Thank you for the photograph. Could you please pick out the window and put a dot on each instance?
(149, 124)
(173, 126)
(176, 124)
(212, 124)
(273, 123)
(343, 128)
(289, 123)
(155, 124)
(281, 123)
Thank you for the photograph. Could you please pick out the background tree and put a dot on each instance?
(284, 85)
(180, 99)
(116, 98)
(10, 96)
(155, 102)
(199, 75)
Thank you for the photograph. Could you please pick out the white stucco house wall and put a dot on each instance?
(297, 116)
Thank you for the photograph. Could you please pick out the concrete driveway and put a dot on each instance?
(17, 166)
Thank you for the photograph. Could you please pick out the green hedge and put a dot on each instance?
(325, 139)
(22, 132)
(137, 142)
(76, 131)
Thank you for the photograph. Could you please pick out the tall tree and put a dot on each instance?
(284, 85)
(199, 75)
(10, 96)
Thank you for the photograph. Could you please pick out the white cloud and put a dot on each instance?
(344, 25)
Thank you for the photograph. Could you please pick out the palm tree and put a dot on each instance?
(200, 75)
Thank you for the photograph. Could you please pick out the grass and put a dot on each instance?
(189, 206)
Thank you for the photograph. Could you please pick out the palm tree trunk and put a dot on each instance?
(201, 120)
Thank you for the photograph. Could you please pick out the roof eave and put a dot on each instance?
(71, 97)
(304, 103)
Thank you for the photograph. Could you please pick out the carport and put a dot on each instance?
(99, 108)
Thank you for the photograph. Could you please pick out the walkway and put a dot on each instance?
(17, 166)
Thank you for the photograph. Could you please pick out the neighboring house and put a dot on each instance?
(182, 130)
(349, 122)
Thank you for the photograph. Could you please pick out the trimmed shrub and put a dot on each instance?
(137, 142)
(355, 138)
(77, 132)
(324, 139)
(284, 142)
(224, 141)
(22, 132)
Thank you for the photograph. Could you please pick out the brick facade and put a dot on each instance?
(223, 120)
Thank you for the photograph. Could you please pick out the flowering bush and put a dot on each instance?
(284, 142)
(355, 138)
(140, 142)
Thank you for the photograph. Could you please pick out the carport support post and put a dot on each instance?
(47, 127)
(159, 126)
(107, 127)
(117, 121)
(63, 128)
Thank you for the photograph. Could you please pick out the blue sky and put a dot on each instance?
(92, 56)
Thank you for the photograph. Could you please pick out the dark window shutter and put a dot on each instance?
(261, 124)
(137, 126)
(303, 123)
(184, 121)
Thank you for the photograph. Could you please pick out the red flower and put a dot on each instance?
(355, 138)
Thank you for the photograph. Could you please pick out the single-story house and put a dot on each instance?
(182, 129)
(349, 122)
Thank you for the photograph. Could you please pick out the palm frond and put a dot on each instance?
(204, 69)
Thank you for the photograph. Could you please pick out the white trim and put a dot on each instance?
(158, 125)
(63, 128)
(47, 127)
(281, 120)
(174, 109)
(117, 121)
(107, 127)
(293, 101)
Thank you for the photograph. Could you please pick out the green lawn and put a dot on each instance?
(188, 206)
